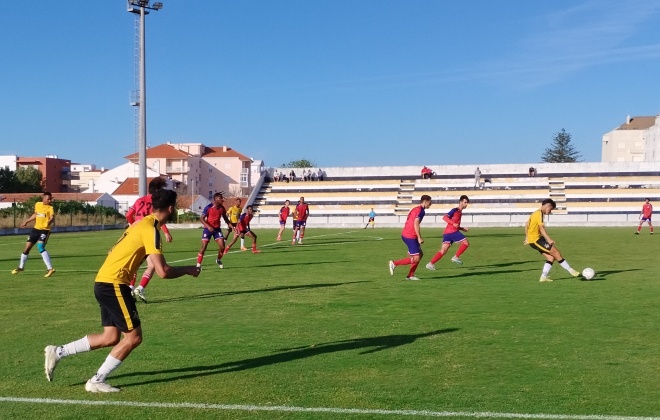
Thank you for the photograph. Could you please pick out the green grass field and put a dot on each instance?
(323, 326)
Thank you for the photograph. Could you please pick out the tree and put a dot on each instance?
(30, 179)
(8, 181)
(562, 150)
(301, 163)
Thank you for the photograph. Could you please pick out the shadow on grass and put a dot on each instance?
(602, 275)
(464, 274)
(241, 292)
(286, 264)
(368, 345)
(504, 264)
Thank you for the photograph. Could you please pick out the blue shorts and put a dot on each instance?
(414, 248)
(299, 223)
(217, 234)
(282, 222)
(646, 219)
(450, 238)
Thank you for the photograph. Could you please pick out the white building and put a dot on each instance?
(8, 162)
(638, 140)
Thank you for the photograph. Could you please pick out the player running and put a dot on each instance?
(210, 218)
(645, 216)
(137, 212)
(301, 215)
(243, 228)
(537, 237)
(284, 215)
(44, 217)
(233, 213)
(412, 237)
(119, 315)
(453, 233)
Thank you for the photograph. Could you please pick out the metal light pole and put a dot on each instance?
(142, 8)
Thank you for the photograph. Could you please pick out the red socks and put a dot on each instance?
(404, 261)
(145, 280)
(461, 249)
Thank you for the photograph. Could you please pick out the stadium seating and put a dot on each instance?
(501, 198)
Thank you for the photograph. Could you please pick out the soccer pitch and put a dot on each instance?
(322, 330)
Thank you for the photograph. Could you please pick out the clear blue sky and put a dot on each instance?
(339, 82)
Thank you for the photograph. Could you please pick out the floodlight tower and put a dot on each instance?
(142, 8)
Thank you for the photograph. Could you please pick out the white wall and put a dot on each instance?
(8, 161)
(111, 179)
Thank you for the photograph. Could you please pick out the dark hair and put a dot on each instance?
(218, 194)
(425, 198)
(250, 207)
(549, 201)
(48, 194)
(162, 199)
(156, 184)
(464, 197)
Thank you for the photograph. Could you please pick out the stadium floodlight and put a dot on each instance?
(141, 7)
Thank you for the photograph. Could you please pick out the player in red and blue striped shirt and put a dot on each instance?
(243, 228)
(412, 237)
(453, 233)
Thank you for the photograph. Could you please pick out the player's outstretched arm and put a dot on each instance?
(166, 271)
(29, 219)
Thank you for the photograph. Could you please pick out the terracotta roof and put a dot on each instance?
(22, 197)
(638, 123)
(219, 151)
(161, 151)
(130, 186)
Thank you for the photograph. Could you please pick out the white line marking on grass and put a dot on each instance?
(293, 409)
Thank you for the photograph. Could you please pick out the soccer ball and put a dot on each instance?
(588, 273)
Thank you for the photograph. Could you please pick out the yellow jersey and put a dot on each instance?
(233, 213)
(533, 226)
(44, 214)
(142, 238)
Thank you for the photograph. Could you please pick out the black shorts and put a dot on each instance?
(38, 235)
(117, 306)
(371, 219)
(541, 246)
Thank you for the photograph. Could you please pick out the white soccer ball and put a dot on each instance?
(588, 273)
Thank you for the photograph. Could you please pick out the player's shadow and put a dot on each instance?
(242, 292)
(252, 266)
(368, 345)
(602, 274)
(504, 264)
(463, 274)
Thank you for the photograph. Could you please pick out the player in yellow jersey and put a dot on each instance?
(537, 237)
(43, 217)
(233, 213)
(119, 313)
